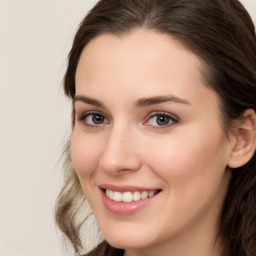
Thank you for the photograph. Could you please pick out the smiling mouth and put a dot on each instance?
(130, 196)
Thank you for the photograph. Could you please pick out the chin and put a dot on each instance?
(128, 240)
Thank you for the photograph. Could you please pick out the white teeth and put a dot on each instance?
(110, 194)
(128, 196)
(118, 197)
(136, 196)
(151, 193)
(144, 195)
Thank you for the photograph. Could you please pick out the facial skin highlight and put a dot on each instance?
(146, 119)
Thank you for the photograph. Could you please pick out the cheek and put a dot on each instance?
(193, 174)
(183, 164)
(84, 154)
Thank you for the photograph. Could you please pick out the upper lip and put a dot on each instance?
(125, 188)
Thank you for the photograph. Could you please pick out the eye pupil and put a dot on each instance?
(162, 120)
(97, 119)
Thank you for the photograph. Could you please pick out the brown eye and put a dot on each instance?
(93, 119)
(97, 119)
(161, 120)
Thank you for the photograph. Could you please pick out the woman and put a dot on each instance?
(163, 142)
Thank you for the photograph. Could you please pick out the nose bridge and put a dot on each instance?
(120, 152)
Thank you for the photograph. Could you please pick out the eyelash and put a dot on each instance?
(172, 118)
(87, 114)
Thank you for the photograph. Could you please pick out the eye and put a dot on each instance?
(93, 119)
(161, 120)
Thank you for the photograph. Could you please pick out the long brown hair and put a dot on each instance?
(222, 34)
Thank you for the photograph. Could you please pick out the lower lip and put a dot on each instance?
(122, 208)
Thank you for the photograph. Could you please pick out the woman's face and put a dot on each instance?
(148, 134)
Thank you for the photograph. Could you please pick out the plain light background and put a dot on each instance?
(35, 38)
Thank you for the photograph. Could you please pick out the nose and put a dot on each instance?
(120, 154)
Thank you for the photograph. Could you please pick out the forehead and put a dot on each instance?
(137, 48)
(142, 61)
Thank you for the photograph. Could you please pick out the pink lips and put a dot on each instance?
(123, 208)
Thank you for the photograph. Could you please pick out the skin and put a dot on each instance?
(187, 159)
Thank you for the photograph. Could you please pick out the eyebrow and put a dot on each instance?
(143, 102)
(160, 99)
(88, 100)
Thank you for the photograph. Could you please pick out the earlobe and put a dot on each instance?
(245, 140)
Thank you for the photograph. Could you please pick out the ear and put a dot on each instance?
(245, 140)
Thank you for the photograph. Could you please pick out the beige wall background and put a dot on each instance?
(35, 37)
